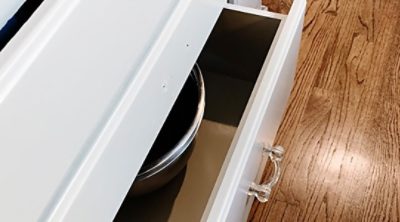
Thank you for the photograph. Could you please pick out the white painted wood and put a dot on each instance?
(259, 124)
(247, 3)
(7, 9)
(83, 97)
(84, 88)
(274, 113)
(254, 11)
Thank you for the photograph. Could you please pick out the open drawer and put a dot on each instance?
(83, 96)
(248, 64)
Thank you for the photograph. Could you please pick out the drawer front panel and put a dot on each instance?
(229, 201)
(271, 121)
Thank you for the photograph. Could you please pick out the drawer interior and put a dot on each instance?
(231, 61)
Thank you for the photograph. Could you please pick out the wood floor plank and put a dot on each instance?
(342, 125)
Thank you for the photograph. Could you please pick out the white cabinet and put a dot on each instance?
(85, 87)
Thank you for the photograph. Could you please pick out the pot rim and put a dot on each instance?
(168, 158)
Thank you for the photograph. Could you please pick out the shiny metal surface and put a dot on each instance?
(185, 142)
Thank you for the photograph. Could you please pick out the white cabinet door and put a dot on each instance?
(84, 89)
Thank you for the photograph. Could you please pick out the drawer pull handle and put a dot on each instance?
(263, 191)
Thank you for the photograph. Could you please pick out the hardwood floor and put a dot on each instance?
(342, 126)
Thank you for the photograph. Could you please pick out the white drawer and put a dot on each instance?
(260, 122)
(248, 64)
(93, 116)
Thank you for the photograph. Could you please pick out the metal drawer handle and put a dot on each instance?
(263, 191)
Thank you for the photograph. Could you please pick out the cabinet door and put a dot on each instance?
(85, 86)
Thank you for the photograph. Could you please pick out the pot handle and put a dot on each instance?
(263, 191)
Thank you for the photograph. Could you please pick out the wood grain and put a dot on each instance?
(281, 6)
(342, 126)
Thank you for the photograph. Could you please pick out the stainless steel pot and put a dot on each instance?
(174, 144)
